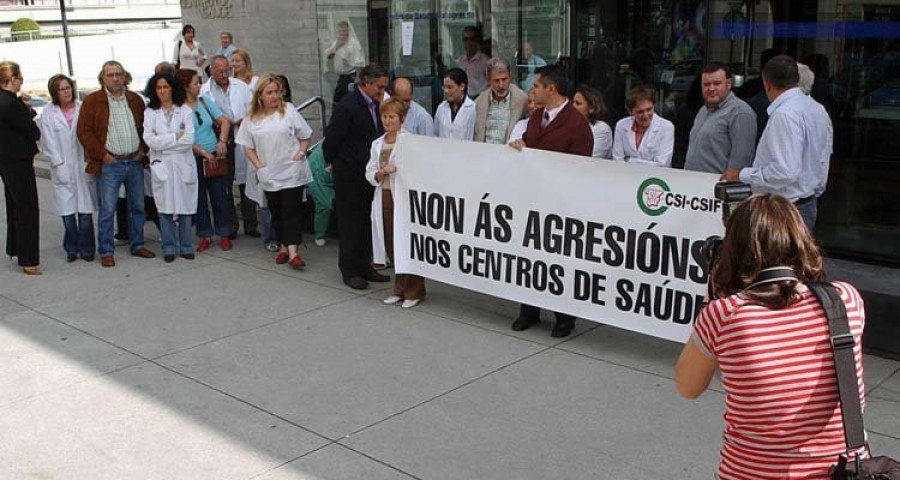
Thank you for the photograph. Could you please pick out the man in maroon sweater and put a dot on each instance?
(558, 127)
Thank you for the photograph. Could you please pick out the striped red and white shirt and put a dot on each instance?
(782, 412)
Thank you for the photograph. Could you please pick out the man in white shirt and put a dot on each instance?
(794, 153)
(474, 62)
(233, 97)
(417, 121)
(227, 45)
(644, 137)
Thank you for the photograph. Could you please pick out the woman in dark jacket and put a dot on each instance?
(18, 137)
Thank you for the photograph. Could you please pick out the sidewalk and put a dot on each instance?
(232, 367)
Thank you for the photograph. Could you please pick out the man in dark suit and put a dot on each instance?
(555, 126)
(356, 121)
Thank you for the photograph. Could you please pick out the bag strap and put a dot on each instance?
(209, 112)
(844, 362)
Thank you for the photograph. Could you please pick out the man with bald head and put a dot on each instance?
(417, 121)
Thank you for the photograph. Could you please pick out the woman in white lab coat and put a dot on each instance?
(455, 116)
(169, 132)
(644, 137)
(589, 102)
(275, 139)
(74, 190)
(410, 289)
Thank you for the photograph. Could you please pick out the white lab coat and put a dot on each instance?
(172, 165)
(461, 128)
(603, 140)
(240, 96)
(74, 191)
(656, 146)
(379, 252)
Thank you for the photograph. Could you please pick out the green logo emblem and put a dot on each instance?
(650, 196)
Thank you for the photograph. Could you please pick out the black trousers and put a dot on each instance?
(529, 311)
(22, 214)
(287, 214)
(353, 202)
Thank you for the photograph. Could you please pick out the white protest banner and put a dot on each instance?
(605, 241)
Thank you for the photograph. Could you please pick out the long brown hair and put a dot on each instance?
(257, 110)
(766, 231)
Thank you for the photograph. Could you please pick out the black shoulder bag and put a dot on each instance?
(877, 468)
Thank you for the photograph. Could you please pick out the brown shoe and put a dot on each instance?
(143, 253)
(108, 261)
(31, 270)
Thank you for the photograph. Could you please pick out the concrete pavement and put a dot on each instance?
(232, 367)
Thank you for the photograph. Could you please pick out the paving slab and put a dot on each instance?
(144, 422)
(490, 313)
(40, 355)
(62, 281)
(334, 462)
(9, 307)
(321, 268)
(554, 415)
(883, 416)
(882, 377)
(342, 368)
(884, 445)
(165, 314)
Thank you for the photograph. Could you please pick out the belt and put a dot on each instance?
(804, 200)
(127, 157)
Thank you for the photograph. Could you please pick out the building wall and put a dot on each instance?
(281, 37)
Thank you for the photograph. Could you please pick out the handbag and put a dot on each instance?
(876, 468)
(221, 168)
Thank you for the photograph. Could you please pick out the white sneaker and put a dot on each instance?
(410, 303)
(393, 300)
(320, 242)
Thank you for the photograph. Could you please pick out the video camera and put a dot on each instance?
(731, 194)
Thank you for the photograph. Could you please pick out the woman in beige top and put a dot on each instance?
(410, 289)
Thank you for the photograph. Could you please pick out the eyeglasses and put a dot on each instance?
(199, 118)
(114, 74)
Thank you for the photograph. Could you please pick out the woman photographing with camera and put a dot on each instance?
(770, 339)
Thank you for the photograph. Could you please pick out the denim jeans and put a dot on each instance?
(212, 193)
(175, 240)
(131, 173)
(808, 212)
(264, 216)
(79, 236)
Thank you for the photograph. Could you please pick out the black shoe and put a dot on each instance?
(524, 323)
(71, 257)
(374, 276)
(169, 258)
(188, 256)
(253, 233)
(562, 329)
(356, 283)
(87, 258)
(233, 234)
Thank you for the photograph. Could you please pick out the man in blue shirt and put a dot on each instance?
(793, 155)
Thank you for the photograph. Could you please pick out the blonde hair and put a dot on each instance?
(8, 72)
(394, 105)
(248, 75)
(257, 110)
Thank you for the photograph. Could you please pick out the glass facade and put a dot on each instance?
(852, 46)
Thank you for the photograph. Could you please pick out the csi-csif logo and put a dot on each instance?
(655, 197)
(651, 196)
